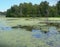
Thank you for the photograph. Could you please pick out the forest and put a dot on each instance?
(34, 10)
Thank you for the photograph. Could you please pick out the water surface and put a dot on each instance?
(23, 38)
(52, 37)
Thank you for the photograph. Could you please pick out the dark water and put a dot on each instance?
(52, 37)
(4, 26)
(39, 33)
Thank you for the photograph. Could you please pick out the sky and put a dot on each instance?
(6, 4)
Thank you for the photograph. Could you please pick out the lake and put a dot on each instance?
(19, 37)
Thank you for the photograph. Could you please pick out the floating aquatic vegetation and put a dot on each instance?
(51, 38)
(3, 26)
(24, 38)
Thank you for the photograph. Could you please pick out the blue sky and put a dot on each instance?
(6, 4)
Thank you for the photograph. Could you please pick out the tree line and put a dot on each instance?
(30, 10)
(2, 13)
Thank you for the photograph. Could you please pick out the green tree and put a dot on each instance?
(58, 8)
(30, 10)
(44, 8)
(13, 12)
(52, 11)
